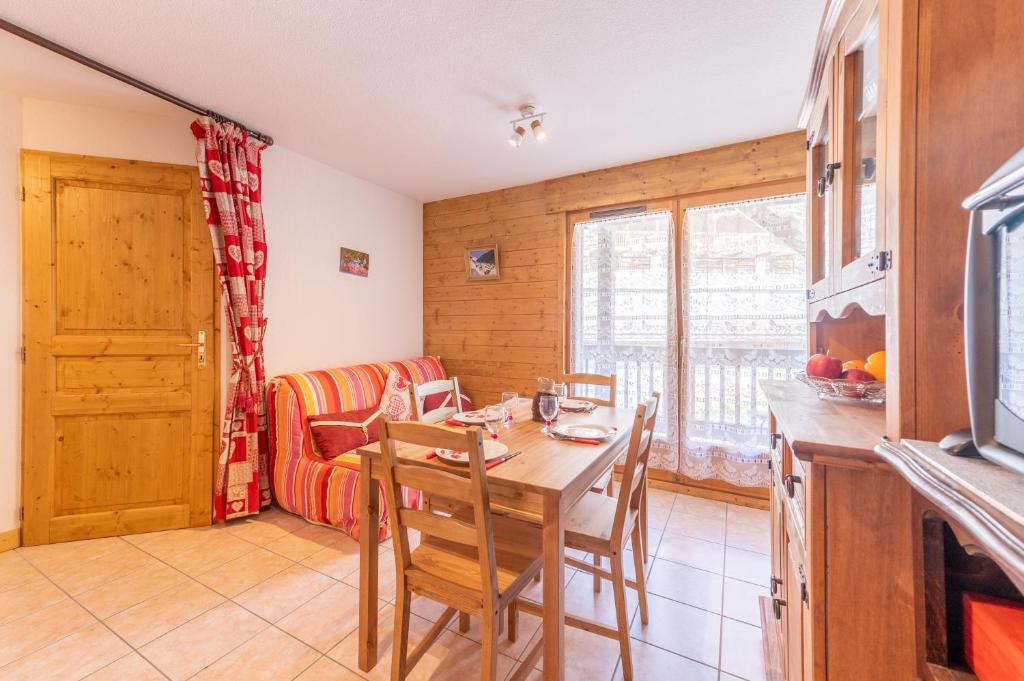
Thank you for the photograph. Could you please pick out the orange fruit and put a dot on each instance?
(853, 364)
(876, 365)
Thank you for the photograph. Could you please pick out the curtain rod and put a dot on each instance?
(14, 29)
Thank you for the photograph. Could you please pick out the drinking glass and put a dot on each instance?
(562, 390)
(494, 417)
(510, 401)
(548, 407)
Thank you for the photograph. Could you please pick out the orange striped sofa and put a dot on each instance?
(321, 491)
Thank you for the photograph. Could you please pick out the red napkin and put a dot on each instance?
(453, 422)
(584, 440)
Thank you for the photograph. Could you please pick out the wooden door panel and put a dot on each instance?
(110, 462)
(121, 259)
(119, 427)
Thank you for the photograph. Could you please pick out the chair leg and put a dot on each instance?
(463, 623)
(643, 519)
(597, 578)
(513, 621)
(621, 614)
(610, 490)
(641, 580)
(400, 642)
(489, 654)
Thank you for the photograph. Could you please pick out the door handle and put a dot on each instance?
(200, 346)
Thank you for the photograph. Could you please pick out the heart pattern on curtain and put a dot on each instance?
(231, 175)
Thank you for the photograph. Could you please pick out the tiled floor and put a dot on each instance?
(276, 598)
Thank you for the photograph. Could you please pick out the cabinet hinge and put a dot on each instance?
(810, 294)
(808, 147)
(21, 514)
(22, 192)
(24, 353)
(880, 262)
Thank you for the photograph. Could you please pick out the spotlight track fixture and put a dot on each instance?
(529, 114)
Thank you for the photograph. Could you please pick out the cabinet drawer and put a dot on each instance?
(794, 486)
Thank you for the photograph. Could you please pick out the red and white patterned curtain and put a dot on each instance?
(231, 175)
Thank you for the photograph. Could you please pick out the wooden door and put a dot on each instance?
(118, 414)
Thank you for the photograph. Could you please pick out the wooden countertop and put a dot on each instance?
(823, 431)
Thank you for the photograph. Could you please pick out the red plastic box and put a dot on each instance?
(994, 637)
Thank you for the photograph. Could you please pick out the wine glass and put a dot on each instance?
(548, 407)
(494, 417)
(510, 400)
(562, 391)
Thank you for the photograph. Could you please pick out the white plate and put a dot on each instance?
(472, 418)
(590, 431)
(576, 404)
(492, 450)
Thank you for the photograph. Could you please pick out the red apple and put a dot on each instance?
(823, 366)
(858, 376)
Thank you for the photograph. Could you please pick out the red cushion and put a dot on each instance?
(341, 432)
(994, 637)
(444, 399)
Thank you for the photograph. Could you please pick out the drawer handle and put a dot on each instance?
(791, 481)
(777, 604)
(774, 583)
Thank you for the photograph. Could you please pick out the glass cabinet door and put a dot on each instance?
(862, 237)
(821, 173)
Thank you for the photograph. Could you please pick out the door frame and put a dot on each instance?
(33, 311)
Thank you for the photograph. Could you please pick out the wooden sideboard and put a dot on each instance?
(842, 596)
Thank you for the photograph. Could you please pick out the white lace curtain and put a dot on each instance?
(743, 319)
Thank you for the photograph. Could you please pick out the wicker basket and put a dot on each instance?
(869, 392)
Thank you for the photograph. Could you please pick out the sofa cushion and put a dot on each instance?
(396, 402)
(341, 432)
(443, 400)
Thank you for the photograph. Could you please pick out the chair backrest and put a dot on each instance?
(471, 492)
(591, 379)
(445, 385)
(634, 472)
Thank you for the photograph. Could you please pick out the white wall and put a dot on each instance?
(319, 317)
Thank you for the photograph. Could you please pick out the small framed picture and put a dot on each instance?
(355, 262)
(482, 263)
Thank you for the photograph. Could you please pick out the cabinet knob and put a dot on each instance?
(790, 482)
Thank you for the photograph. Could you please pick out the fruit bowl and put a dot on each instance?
(860, 392)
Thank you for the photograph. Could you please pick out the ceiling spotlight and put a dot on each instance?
(528, 114)
(539, 133)
(515, 140)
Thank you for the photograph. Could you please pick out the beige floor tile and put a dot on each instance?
(40, 628)
(654, 664)
(749, 515)
(347, 652)
(244, 572)
(289, 522)
(51, 557)
(660, 498)
(80, 576)
(206, 639)
(142, 538)
(30, 596)
(455, 658)
(167, 545)
(154, 617)
(748, 529)
(284, 592)
(588, 657)
(741, 650)
(326, 669)
(305, 541)
(338, 560)
(256, 530)
(701, 506)
(581, 600)
(270, 655)
(211, 554)
(131, 667)
(741, 602)
(80, 653)
(700, 525)
(748, 566)
(15, 570)
(686, 584)
(426, 608)
(535, 590)
(722, 676)
(134, 588)
(327, 618)
(385, 577)
(681, 629)
(691, 551)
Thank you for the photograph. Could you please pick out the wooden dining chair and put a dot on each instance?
(606, 483)
(471, 562)
(603, 526)
(450, 386)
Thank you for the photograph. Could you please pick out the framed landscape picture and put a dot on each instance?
(482, 263)
(355, 262)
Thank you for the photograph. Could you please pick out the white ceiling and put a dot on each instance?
(416, 96)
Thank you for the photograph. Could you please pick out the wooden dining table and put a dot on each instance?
(541, 484)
